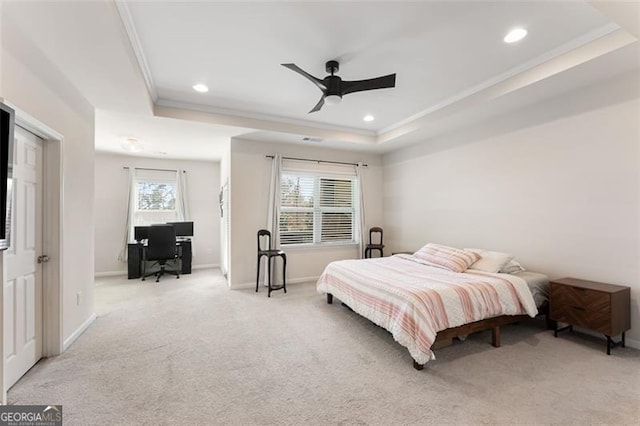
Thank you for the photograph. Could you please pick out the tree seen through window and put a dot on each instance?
(156, 195)
(316, 209)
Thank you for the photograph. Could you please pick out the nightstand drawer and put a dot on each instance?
(596, 321)
(587, 299)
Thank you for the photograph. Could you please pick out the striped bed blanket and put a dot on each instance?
(413, 301)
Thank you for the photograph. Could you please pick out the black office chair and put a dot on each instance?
(161, 246)
(270, 253)
(374, 246)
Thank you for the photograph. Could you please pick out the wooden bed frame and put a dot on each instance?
(444, 338)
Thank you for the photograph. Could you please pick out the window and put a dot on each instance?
(156, 197)
(317, 209)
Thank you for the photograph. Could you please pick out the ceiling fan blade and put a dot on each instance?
(384, 82)
(318, 105)
(314, 80)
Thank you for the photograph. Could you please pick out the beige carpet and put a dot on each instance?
(190, 351)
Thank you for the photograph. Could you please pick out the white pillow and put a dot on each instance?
(446, 257)
(512, 267)
(490, 261)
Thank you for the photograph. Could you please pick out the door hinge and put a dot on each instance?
(43, 259)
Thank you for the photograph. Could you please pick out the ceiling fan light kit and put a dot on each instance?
(334, 88)
(332, 99)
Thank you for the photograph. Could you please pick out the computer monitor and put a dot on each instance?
(183, 229)
(140, 233)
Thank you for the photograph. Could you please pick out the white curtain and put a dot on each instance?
(361, 227)
(273, 213)
(182, 200)
(182, 205)
(128, 228)
(273, 216)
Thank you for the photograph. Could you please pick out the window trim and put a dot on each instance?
(317, 210)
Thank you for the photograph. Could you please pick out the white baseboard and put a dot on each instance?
(124, 272)
(69, 340)
(109, 274)
(302, 280)
(245, 286)
(632, 343)
(205, 266)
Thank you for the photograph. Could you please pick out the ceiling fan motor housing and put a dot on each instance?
(334, 85)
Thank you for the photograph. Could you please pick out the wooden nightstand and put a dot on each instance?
(596, 306)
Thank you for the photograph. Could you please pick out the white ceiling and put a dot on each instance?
(437, 50)
(163, 137)
(136, 61)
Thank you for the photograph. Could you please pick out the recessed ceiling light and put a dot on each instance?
(200, 88)
(368, 117)
(514, 35)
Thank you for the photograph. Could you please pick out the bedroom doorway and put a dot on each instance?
(51, 271)
(224, 230)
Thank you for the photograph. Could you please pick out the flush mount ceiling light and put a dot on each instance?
(200, 88)
(132, 144)
(368, 117)
(515, 35)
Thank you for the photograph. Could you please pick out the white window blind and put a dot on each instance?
(317, 208)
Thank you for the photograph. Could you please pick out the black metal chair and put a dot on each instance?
(374, 246)
(161, 247)
(270, 253)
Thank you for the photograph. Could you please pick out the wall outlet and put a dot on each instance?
(78, 298)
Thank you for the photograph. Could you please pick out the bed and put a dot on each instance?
(424, 305)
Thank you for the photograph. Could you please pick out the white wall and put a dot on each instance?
(31, 83)
(111, 181)
(561, 191)
(250, 174)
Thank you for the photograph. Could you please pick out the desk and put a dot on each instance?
(134, 254)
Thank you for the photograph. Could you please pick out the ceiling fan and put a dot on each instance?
(334, 88)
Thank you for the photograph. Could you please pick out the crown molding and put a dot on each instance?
(208, 114)
(134, 40)
(263, 117)
(603, 40)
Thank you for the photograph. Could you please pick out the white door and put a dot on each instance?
(23, 285)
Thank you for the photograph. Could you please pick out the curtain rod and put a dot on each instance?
(318, 161)
(157, 170)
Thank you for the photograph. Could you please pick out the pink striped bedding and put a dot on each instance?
(414, 301)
